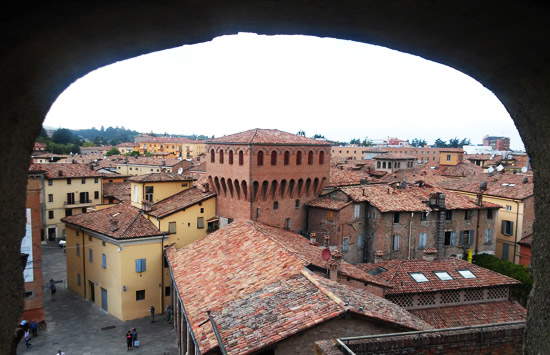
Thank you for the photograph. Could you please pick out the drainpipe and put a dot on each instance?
(162, 272)
(410, 232)
(83, 263)
(480, 204)
(516, 232)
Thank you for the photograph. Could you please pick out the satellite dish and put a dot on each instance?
(500, 168)
(180, 170)
(524, 169)
(325, 254)
(490, 170)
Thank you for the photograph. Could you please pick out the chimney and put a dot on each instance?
(378, 256)
(429, 254)
(313, 238)
(334, 265)
(60, 173)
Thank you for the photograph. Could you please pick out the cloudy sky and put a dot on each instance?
(340, 89)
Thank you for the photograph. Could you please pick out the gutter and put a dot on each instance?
(218, 335)
(410, 232)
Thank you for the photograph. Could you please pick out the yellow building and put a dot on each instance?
(69, 189)
(115, 260)
(177, 147)
(146, 165)
(146, 190)
(451, 156)
(127, 147)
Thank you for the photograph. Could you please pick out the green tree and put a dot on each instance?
(133, 153)
(301, 133)
(316, 135)
(439, 143)
(454, 143)
(366, 142)
(112, 151)
(64, 136)
(418, 142)
(465, 141)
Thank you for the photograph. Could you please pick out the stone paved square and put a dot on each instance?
(75, 325)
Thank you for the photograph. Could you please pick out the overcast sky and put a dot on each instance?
(337, 88)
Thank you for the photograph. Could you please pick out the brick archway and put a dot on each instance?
(501, 44)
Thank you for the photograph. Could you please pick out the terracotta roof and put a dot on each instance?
(345, 177)
(328, 203)
(174, 140)
(120, 221)
(64, 170)
(412, 198)
(501, 185)
(291, 305)
(160, 177)
(126, 144)
(527, 241)
(118, 190)
(464, 169)
(394, 156)
(477, 156)
(267, 136)
(129, 160)
(179, 201)
(472, 314)
(398, 274)
(245, 260)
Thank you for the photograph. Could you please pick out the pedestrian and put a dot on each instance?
(135, 341)
(129, 342)
(152, 311)
(59, 352)
(52, 288)
(27, 338)
(169, 313)
(34, 328)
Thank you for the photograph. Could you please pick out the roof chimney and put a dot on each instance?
(60, 173)
(334, 265)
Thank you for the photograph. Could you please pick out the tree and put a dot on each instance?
(366, 142)
(316, 135)
(355, 141)
(439, 143)
(133, 153)
(418, 142)
(64, 136)
(112, 151)
(465, 141)
(454, 143)
(301, 133)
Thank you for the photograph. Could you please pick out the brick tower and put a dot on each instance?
(267, 175)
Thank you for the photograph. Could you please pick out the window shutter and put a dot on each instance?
(138, 265)
(453, 239)
(503, 228)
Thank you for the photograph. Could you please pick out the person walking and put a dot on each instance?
(129, 341)
(169, 313)
(34, 328)
(152, 311)
(52, 288)
(27, 338)
(59, 352)
(135, 340)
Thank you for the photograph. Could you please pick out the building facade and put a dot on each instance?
(497, 143)
(176, 147)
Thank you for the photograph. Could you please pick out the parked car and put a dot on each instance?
(61, 243)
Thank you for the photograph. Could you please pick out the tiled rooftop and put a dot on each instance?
(472, 314)
(516, 186)
(129, 160)
(394, 156)
(118, 190)
(120, 221)
(65, 170)
(398, 275)
(345, 177)
(464, 169)
(175, 140)
(160, 177)
(412, 198)
(267, 136)
(328, 203)
(179, 201)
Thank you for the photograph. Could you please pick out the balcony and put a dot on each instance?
(75, 204)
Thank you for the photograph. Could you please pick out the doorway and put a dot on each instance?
(104, 301)
(91, 286)
(51, 233)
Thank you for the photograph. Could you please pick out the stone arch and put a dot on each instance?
(255, 190)
(310, 157)
(224, 186)
(217, 184)
(315, 186)
(273, 157)
(220, 156)
(212, 156)
(291, 187)
(307, 187)
(244, 190)
(265, 187)
(230, 187)
(237, 189)
(300, 187)
(260, 158)
(241, 157)
(230, 157)
(282, 188)
(273, 191)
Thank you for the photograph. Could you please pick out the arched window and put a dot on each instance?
(299, 158)
(321, 157)
(221, 157)
(260, 158)
(273, 158)
(212, 156)
(230, 157)
(310, 157)
(286, 157)
(241, 157)
(275, 205)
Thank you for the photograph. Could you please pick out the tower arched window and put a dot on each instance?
(273, 158)
(230, 157)
(212, 156)
(286, 157)
(241, 157)
(321, 158)
(299, 158)
(310, 158)
(221, 157)
(260, 158)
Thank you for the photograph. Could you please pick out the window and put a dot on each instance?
(50, 197)
(171, 227)
(273, 158)
(356, 211)
(299, 158)
(83, 209)
(286, 158)
(507, 227)
(287, 223)
(467, 237)
(84, 197)
(329, 215)
(449, 215)
(70, 198)
(467, 274)
(443, 275)
(212, 156)
(221, 156)
(230, 157)
(505, 251)
(50, 214)
(200, 222)
(69, 181)
(395, 242)
(467, 215)
(241, 157)
(275, 205)
(396, 217)
(450, 238)
(321, 158)
(448, 157)
(90, 255)
(345, 244)
(202, 210)
(167, 291)
(68, 212)
(297, 204)
(488, 236)
(257, 212)
(383, 165)
(310, 157)
(140, 295)
(419, 277)
(422, 238)
(424, 216)
(378, 164)
(103, 261)
(96, 180)
(77, 250)
(260, 159)
(508, 207)
(141, 265)
(78, 279)
(83, 181)
(149, 190)
(50, 182)
(489, 214)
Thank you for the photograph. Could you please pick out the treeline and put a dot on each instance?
(106, 136)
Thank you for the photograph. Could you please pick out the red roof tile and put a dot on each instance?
(118, 190)
(160, 177)
(120, 221)
(398, 275)
(328, 203)
(472, 314)
(179, 201)
(394, 156)
(175, 140)
(515, 186)
(267, 136)
(65, 170)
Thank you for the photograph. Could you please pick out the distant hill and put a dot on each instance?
(106, 136)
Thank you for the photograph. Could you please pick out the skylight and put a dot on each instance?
(419, 277)
(376, 271)
(467, 274)
(443, 275)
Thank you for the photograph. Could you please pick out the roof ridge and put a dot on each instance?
(308, 275)
(132, 223)
(254, 135)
